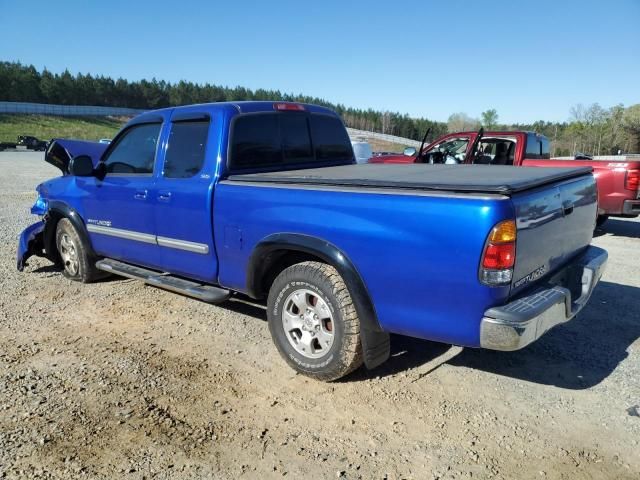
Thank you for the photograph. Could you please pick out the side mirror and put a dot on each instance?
(81, 166)
(410, 151)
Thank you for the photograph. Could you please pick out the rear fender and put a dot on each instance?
(375, 341)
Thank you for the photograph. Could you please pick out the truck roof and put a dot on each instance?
(496, 133)
(250, 106)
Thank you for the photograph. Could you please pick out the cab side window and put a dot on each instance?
(495, 151)
(450, 152)
(537, 147)
(135, 151)
(185, 152)
(545, 151)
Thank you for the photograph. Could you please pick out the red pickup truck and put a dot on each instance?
(618, 178)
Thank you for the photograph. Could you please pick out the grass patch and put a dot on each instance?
(47, 127)
(383, 146)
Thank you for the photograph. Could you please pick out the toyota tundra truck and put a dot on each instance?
(618, 178)
(265, 200)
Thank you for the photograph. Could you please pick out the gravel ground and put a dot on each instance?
(121, 380)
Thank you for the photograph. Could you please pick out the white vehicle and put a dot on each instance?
(362, 151)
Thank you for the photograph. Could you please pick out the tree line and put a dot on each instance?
(591, 129)
(24, 83)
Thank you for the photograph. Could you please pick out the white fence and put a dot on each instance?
(90, 111)
(64, 110)
(364, 135)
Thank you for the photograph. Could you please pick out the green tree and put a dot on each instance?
(489, 118)
(631, 123)
(460, 122)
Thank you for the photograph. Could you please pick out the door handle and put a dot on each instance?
(140, 195)
(164, 196)
(567, 208)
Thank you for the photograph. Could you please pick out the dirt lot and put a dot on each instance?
(120, 380)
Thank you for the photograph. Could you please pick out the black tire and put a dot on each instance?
(601, 220)
(75, 261)
(344, 355)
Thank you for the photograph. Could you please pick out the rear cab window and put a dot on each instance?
(545, 148)
(330, 138)
(537, 147)
(287, 139)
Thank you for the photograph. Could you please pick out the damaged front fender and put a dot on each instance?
(30, 242)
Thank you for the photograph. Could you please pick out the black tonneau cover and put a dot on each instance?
(499, 179)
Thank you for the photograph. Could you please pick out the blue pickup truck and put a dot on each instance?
(265, 200)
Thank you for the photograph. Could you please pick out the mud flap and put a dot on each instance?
(376, 347)
(30, 243)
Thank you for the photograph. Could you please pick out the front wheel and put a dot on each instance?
(76, 264)
(313, 321)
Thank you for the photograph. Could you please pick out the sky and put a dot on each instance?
(529, 60)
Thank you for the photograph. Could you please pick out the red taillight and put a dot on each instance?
(498, 257)
(296, 107)
(632, 182)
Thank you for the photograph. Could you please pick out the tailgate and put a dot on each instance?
(554, 224)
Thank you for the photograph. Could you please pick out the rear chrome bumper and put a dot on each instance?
(631, 207)
(524, 320)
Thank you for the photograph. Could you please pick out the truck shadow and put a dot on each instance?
(619, 228)
(577, 355)
(406, 353)
(53, 270)
(246, 306)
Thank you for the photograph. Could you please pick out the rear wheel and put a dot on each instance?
(76, 264)
(313, 321)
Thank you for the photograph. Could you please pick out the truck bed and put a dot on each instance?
(491, 179)
(613, 177)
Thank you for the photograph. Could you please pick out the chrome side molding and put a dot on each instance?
(118, 232)
(201, 248)
(183, 245)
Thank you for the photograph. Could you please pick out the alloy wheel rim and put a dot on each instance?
(308, 323)
(69, 254)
